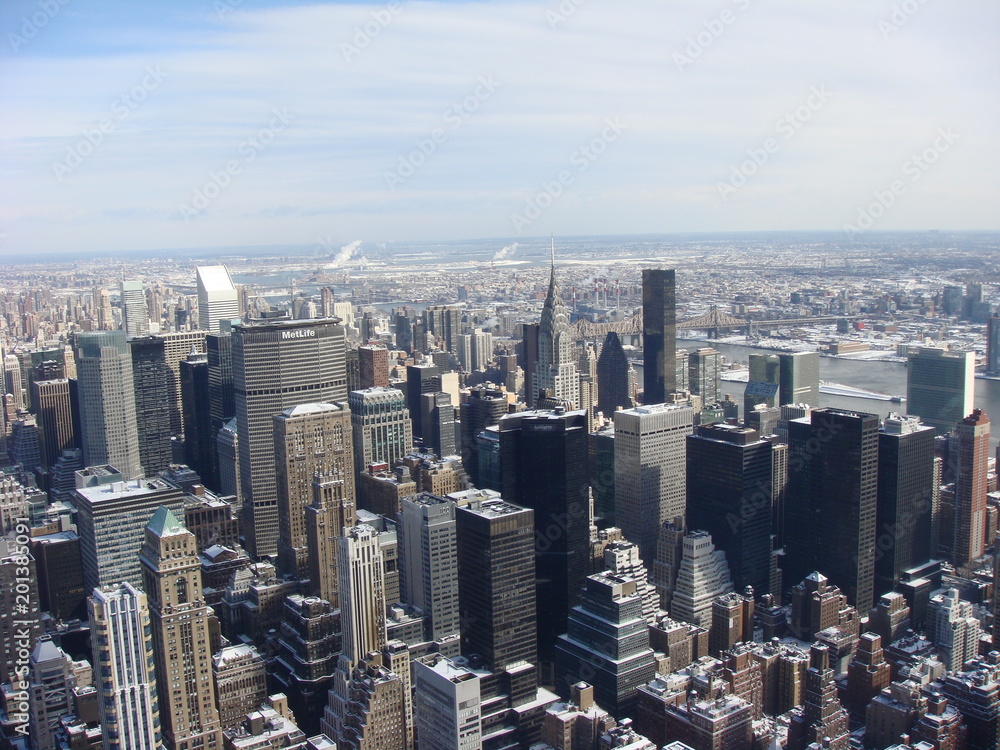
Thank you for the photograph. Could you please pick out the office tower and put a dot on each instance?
(607, 643)
(621, 557)
(50, 401)
(278, 364)
(972, 438)
(151, 377)
(798, 378)
(199, 437)
(122, 638)
(905, 494)
(331, 511)
(601, 445)
(12, 380)
(650, 470)
(701, 577)
(953, 628)
(993, 344)
(496, 582)
(403, 329)
(102, 310)
(612, 377)
(543, 460)
(219, 352)
(177, 347)
(382, 427)
(952, 298)
(556, 378)
(420, 379)
(940, 386)
(729, 495)
(527, 353)
(362, 593)
(24, 444)
(445, 322)
(50, 692)
(732, 623)
(763, 383)
(447, 710)
(437, 418)
(14, 506)
(227, 444)
(703, 375)
(428, 563)
(821, 719)
(373, 362)
(831, 502)
(659, 335)
(488, 458)
(217, 298)
(180, 623)
(20, 616)
(764, 419)
(475, 350)
(109, 431)
(483, 408)
(310, 441)
(60, 575)
(240, 675)
(111, 517)
(135, 316)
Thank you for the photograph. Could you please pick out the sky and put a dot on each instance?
(218, 123)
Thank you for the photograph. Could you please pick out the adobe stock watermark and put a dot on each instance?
(714, 28)
(365, 34)
(121, 109)
(786, 126)
(247, 150)
(222, 7)
(913, 168)
(580, 159)
(454, 118)
(900, 16)
(561, 13)
(30, 26)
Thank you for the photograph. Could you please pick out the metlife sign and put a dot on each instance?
(299, 333)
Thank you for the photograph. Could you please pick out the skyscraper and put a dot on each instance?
(799, 378)
(483, 408)
(993, 344)
(135, 316)
(310, 441)
(821, 719)
(939, 386)
(180, 622)
(612, 377)
(420, 379)
(122, 637)
(831, 501)
(109, 431)
(448, 704)
(556, 377)
(111, 516)
(729, 493)
(703, 374)
(972, 436)
(382, 428)
(543, 461)
(763, 384)
(50, 401)
(217, 297)
(650, 471)
(373, 363)
(428, 562)
(278, 364)
(659, 334)
(152, 377)
(438, 420)
(199, 437)
(905, 495)
(496, 581)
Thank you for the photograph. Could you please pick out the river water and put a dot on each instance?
(883, 377)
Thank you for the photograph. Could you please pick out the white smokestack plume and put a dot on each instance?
(346, 253)
(506, 252)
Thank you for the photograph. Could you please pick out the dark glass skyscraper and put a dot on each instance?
(277, 365)
(612, 377)
(729, 494)
(659, 334)
(420, 379)
(483, 408)
(199, 438)
(831, 501)
(152, 402)
(543, 464)
(905, 494)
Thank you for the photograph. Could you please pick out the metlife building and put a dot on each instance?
(276, 365)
